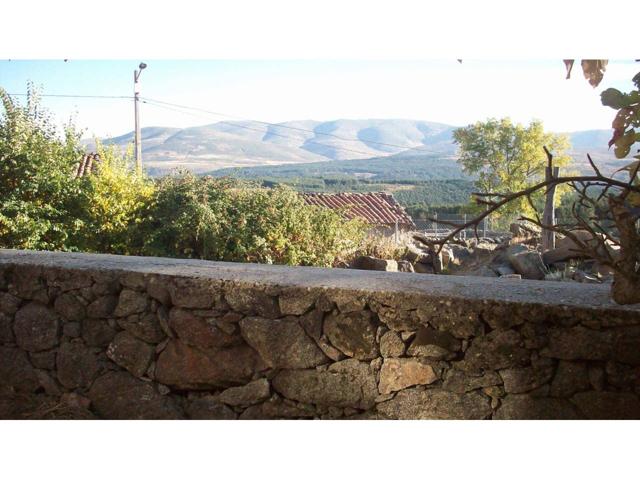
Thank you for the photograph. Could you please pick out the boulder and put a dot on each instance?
(249, 394)
(102, 307)
(400, 373)
(608, 405)
(69, 307)
(130, 302)
(77, 365)
(16, 372)
(570, 378)
(435, 344)
(529, 264)
(208, 408)
(120, 396)
(371, 263)
(417, 404)
(97, 332)
(391, 345)
(200, 331)
(349, 383)
(145, 326)
(36, 327)
(405, 266)
(182, 366)
(527, 407)
(282, 343)
(354, 334)
(131, 353)
(459, 382)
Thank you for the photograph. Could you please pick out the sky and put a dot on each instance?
(280, 90)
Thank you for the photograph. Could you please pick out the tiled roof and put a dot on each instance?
(376, 208)
(88, 165)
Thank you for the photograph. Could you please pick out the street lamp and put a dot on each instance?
(136, 100)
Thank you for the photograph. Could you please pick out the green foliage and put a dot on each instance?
(39, 195)
(226, 219)
(627, 119)
(112, 200)
(508, 157)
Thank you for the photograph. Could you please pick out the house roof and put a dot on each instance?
(88, 165)
(376, 208)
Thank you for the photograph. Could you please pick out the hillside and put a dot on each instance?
(249, 144)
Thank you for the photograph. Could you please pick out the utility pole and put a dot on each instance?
(136, 100)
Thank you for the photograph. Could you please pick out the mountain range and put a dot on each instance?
(248, 143)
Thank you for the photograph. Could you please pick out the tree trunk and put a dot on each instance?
(626, 279)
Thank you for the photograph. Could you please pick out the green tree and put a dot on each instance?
(506, 157)
(39, 195)
(112, 200)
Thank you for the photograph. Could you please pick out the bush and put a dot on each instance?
(111, 201)
(231, 220)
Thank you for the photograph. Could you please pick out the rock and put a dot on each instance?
(9, 304)
(252, 301)
(495, 351)
(482, 271)
(414, 254)
(77, 366)
(144, 326)
(354, 334)
(16, 372)
(526, 407)
(48, 384)
(571, 377)
(275, 408)
(400, 373)
(528, 264)
(596, 375)
(102, 307)
(71, 329)
(434, 344)
(97, 332)
(130, 302)
(281, 343)
(297, 301)
(250, 394)
(608, 405)
(208, 408)
(157, 288)
(345, 384)
(371, 263)
(579, 343)
(416, 404)
(199, 331)
(423, 268)
(45, 360)
(505, 270)
(459, 382)
(623, 377)
(461, 324)
(6, 329)
(36, 327)
(120, 396)
(195, 293)
(130, 353)
(405, 266)
(185, 367)
(391, 345)
(520, 380)
(69, 307)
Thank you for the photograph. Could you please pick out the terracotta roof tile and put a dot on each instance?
(88, 165)
(377, 208)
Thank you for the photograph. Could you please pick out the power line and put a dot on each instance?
(71, 96)
(279, 125)
(150, 102)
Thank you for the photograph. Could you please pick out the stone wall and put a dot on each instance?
(100, 336)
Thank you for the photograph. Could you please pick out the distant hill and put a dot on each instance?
(248, 144)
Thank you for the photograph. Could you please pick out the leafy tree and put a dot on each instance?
(226, 219)
(38, 192)
(508, 157)
(112, 200)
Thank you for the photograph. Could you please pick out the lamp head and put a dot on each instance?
(142, 66)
